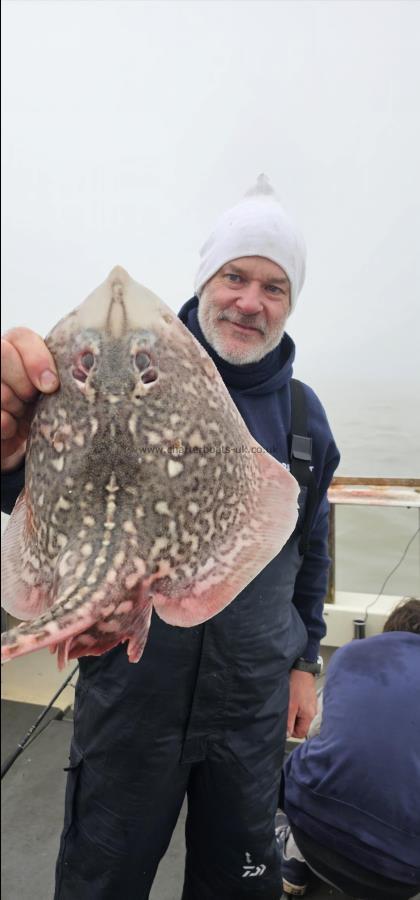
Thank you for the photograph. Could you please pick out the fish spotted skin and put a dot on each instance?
(143, 486)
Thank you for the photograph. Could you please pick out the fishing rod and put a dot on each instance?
(23, 743)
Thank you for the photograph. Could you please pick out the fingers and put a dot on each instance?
(301, 726)
(15, 415)
(27, 368)
(291, 719)
(27, 364)
(298, 722)
(12, 454)
(9, 426)
(10, 402)
(302, 703)
(12, 426)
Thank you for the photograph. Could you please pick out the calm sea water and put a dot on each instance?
(378, 431)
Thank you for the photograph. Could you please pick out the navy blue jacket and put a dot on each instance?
(270, 423)
(355, 788)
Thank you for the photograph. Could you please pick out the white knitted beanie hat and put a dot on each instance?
(257, 226)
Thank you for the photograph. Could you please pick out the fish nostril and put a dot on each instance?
(79, 375)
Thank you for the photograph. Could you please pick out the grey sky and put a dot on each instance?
(129, 126)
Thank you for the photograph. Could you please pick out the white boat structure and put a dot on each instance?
(342, 608)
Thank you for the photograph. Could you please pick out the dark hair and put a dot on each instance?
(405, 617)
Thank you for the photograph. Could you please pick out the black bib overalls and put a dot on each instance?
(204, 714)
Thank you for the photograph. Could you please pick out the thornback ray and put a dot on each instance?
(143, 486)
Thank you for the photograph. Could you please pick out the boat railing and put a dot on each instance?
(366, 491)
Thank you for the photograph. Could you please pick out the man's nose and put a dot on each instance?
(250, 299)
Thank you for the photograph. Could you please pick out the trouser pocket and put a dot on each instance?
(73, 776)
(73, 770)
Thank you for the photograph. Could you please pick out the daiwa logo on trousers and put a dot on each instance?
(251, 871)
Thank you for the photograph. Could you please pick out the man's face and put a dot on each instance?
(243, 309)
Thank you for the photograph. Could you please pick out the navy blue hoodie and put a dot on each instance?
(269, 421)
(355, 788)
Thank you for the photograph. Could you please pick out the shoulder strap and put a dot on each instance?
(301, 456)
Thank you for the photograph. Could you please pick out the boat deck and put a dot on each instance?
(33, 804)
(33, 788)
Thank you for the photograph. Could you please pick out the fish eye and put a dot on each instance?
(83, 364)
(87, 360)
(142, 360)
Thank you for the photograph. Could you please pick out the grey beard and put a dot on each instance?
(241, 356)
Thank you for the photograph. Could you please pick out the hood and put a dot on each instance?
(264, 377)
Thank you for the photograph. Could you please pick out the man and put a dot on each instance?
(351, 793)
(205, 712)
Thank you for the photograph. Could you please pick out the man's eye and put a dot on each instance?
(232, 277)
(275, 289)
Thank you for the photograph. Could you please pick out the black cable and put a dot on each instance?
(23, 743)
(390, 574)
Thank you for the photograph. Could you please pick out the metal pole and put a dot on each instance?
(330, 598)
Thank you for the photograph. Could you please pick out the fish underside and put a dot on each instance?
(144, 487)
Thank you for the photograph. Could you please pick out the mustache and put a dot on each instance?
(251, 321)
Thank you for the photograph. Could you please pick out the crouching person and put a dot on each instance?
(351, 794)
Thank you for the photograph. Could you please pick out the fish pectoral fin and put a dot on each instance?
(24, 594)
(230, 561)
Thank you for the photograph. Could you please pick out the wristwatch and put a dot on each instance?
(306, 665)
